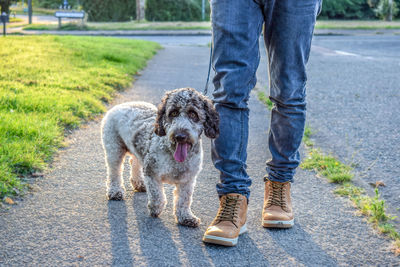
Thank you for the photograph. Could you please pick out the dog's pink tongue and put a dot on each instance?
(181, 152)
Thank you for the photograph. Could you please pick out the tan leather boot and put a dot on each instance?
(277, 212)
(230, 221)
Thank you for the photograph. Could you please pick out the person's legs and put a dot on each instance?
(289, 26)
(236, 30)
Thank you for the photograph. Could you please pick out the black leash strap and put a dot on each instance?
(209, 69)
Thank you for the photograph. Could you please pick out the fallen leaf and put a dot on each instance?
(377, 184)
(37, 174)
(9, 201)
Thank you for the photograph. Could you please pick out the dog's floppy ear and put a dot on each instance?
(211, 125)
(159, 124)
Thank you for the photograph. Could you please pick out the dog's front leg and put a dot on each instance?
(156, 196)
(182, 202)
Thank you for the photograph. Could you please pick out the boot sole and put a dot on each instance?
(278, 224)
(228, 242)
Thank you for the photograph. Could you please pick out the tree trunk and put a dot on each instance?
(140, 10)
(30, 11)
(390, 15)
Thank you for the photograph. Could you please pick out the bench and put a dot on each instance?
(69, 15)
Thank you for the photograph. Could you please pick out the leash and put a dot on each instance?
(209, 69)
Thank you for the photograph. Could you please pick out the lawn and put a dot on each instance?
(19, 10)
(206, 25)
(49, 84)
(131, 25)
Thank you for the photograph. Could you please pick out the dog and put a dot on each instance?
(164, 144)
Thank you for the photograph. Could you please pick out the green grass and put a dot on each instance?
(49, 84)
(335, 171)
(327, 166)
(374, 209)
(206, 25)
(15, 20)
(35, 10)
(357, 24)
(132, 25)
(265, 99)
(307, 137)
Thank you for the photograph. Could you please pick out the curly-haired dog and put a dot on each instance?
(164, 145)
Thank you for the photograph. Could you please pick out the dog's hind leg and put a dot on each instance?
(136, 175)
(115, 155)
(182, 202)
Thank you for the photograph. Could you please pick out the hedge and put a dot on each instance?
(110, 10)
(175, 10)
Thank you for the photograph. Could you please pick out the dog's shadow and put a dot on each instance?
(156, 242)
(154, 238)
(120, 249)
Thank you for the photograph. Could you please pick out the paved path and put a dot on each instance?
(68, 220)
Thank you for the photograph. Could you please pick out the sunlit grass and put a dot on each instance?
(327, 166)
(374, 209)
(357, 24)
(206, 25)
(49, 84)
(130, 25)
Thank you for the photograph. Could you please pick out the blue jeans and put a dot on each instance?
(237, 25)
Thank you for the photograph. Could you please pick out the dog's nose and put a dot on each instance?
(181, 137)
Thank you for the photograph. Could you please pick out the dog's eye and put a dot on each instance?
(173, 113)
(193, 115)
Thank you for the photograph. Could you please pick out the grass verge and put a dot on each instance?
(19, 10)
(357, 24)
(49, 84)
(132, 25)
(206, 25)
(374, 209)
(327, 166)
(336, 172)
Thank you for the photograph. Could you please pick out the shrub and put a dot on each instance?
(175, 10)
(110, 10)
(347, 9)
(54, 4)
(383, 9)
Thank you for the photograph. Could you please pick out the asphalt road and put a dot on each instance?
(354, 98)
(68, 221)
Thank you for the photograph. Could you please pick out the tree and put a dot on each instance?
(140, 11)
(386, 9)
(5, 5)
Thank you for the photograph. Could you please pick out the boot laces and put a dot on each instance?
(277, 195)
(229, 209)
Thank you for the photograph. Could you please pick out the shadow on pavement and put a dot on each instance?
(245, 253)
(121, 252)
(156, 242)
(192, 245)
(310, 254)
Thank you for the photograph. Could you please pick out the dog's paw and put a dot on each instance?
(116, 194)
(155, 210)
(189, 221)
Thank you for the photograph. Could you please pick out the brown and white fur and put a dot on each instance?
(164, 145)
